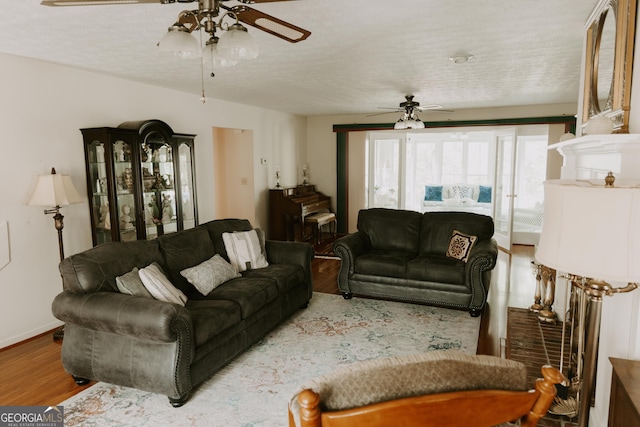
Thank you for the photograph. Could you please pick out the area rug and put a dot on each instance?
(254, 389)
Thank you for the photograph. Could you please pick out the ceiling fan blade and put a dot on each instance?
(270, 24)
(430, 107)
(258, 1)
(386, 112)
(98, 2)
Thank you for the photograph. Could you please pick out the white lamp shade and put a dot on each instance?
(54, 190)
(180, 43)
(237, 44)
(591, 231)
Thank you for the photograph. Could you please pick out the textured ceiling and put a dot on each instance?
(361, 55)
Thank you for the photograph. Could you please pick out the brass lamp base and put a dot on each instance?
(595, 290)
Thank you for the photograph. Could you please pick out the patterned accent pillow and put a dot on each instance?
(159, 286)
(210, 274)
(462, 191)
(245, 250)
(131, 284)
(433, 193)
(460, 245)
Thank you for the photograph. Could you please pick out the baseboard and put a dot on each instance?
(17, 339)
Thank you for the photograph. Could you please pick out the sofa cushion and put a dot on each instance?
(245, 250)
(216, 227)
(391, 229)
(435, 268)
(210, 274)
(437, 229)
(211, 317)
(383, 263)
(185, 249)
(286, 276)
(250, 293)
(131, 284)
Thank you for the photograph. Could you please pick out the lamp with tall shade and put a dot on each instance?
(591, 232)
(55, 191)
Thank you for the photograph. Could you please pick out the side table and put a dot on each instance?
(624, 403)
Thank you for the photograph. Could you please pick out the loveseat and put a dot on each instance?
(116, 333)
(438, 258)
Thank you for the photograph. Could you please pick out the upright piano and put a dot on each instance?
(288, 207)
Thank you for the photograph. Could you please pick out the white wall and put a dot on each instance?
(41, 108)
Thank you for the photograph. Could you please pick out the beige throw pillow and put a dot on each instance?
(131, 284)
(244, 250)
(210, 274)
(159, 286)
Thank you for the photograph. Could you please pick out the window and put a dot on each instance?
(402, 164)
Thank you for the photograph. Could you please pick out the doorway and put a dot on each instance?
(234, 175)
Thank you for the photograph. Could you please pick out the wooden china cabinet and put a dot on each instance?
(140, 181)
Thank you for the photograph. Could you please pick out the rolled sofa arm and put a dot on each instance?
(298, 253)
(481, 261)
(142, 318)
(348, 248)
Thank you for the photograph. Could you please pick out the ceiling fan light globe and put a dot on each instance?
(236, 43)
(400, 125)
(179, 42)
(211, 55)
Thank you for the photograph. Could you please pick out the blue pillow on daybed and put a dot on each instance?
(484, 196)
(433, 193)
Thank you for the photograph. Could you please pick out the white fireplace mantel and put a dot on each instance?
(593, 156)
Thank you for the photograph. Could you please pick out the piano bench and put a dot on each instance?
(317, 220)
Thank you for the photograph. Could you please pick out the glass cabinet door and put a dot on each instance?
(99, 192)
(187, 192)
(140, 181)
(158, 180)
(125, 188)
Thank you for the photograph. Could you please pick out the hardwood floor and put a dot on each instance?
(32, 372)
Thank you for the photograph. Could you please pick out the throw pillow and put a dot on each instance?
(433, 193)
(210, 274)
(462, 191)
(484, 195)
(131, 284)
(159, 286)
(460, 245)
(244, 250)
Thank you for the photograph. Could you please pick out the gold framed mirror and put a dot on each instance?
(609, 59)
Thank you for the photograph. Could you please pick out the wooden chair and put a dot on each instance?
(440, 388)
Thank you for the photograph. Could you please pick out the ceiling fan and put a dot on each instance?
(202, 18)
(409, 109)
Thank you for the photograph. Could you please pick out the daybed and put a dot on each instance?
(458, 197)
(439, 258)
(116, 332)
